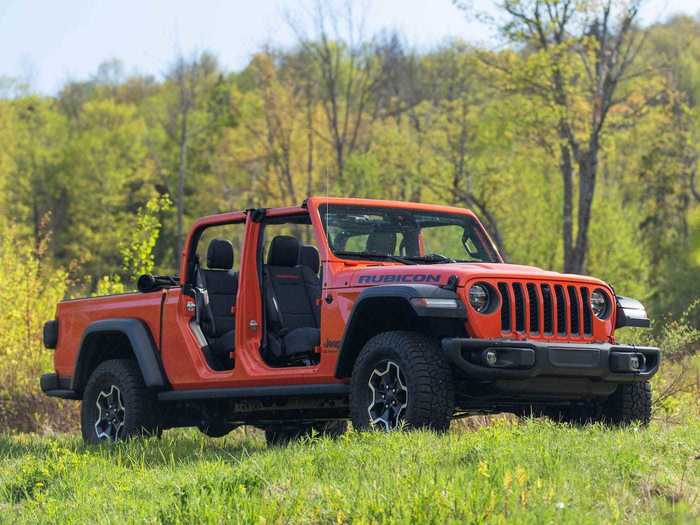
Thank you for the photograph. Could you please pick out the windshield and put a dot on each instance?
(405, 235)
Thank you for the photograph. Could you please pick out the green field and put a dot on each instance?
(532, 472)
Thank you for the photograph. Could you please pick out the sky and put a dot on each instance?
(46, 43)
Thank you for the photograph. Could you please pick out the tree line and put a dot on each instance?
(576, 142)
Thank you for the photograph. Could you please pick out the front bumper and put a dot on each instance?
(529, 359)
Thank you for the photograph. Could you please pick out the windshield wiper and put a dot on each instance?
(371, 255)
(432, 258)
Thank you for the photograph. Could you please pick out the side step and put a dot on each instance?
(256, 392)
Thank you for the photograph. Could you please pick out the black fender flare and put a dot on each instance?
(142, 345)
(402, 295)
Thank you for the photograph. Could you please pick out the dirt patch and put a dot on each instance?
(39, 414)
(476, 422)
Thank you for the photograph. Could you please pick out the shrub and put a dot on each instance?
(137, 249)
(677, 385)
(29, 290)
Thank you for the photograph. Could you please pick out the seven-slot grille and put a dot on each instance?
(545, 309)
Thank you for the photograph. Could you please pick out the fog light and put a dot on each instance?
(634, 363)
(490, 357)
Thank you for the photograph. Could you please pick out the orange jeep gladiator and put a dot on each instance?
(385, 313)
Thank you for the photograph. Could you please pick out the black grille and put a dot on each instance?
(505, 307)
(547, 308)
(519, 307)
(587, 321)
(561, 310)
(573, 300)
(534, 308)
(548, 304)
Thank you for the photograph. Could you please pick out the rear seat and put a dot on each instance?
(221, 284)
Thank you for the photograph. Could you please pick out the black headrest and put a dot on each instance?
(381, 242)
(308, 256)
(284, 251)
(220, 254)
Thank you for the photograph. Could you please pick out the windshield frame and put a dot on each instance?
(321, 205)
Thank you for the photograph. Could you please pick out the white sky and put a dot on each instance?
(51, 41)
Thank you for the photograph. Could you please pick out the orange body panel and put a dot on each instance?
(182, 357)
(75, 315)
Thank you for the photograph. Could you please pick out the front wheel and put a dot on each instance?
(401, 378)
(116, 404)
(630, 404)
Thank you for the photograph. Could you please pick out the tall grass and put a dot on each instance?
(531, 472)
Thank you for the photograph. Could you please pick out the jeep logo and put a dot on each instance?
(400, 278)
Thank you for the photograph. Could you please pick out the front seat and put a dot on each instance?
(291, 301)
(310, 262)
(221, 283)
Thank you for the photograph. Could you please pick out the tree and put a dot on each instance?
(187, 123)
(578, 59)
(348, 74)
(7, 151)
(108, 176)
(136, 247)
(458, 129)
(39, 187)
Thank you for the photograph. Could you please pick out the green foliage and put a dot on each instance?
(676, 386)
(137, 247)
(619, 258)
(109, 168)
(505, 473)
(29, 291)
(456, 125)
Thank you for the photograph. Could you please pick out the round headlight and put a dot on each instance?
(479, 297)
(599, 304)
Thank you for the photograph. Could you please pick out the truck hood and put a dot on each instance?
(465, 272)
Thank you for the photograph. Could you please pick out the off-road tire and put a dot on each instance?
(429, 383)
(281, 435)
(140, 412)
(630, 404)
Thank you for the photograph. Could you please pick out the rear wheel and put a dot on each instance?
(116, 404)
(280, 435)
(401, 378)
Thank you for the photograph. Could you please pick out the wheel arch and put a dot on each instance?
(118, 339)
(392, 307)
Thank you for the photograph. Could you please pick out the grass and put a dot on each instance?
(532, 472)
